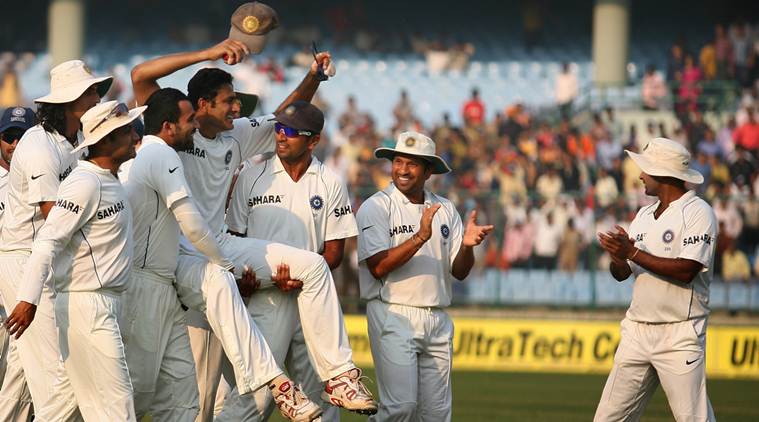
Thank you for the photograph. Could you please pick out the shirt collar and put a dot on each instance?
(399, 196)
(152, 139)
(677, 203)
(93, 167)
(277, 166)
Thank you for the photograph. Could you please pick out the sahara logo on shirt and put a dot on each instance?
(64, 174)
(692, 240)
(198, 152)
(68, 206)
(339, 212)
(403, 228)
(2, 206)
(264, 199)
(112, 210)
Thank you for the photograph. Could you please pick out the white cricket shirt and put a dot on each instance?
(388, 219)
(88, 236)
(40, 163)
(3, 191)
(686, 229)
(268, 204)
(154, 181)
(210, 164)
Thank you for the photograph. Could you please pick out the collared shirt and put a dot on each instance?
(210, 164)
(87, 236)
(686, 229)
(268, 204)
(386, 220)
(154, 182)
(40, 163)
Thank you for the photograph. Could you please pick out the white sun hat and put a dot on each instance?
(418, 145)
(70, 79)
(665, 157)
(103, 119)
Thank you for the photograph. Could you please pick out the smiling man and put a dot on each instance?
(670, 251)
(412, 244)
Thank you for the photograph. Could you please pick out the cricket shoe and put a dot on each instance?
(347, 391)
(294, 405)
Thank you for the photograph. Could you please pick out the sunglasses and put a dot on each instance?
(121, 109)
(11, 135)
(290, 132)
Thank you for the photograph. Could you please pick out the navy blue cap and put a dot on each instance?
(20, 117)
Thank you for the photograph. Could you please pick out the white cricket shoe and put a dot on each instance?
(347, 391)
(294, 405)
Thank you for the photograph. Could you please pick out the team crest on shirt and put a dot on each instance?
(668, 236)
(316, 202)
(445, 231)
(228, 157)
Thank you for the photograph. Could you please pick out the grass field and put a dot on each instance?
(482, 396)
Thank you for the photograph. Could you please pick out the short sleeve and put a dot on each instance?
(373, 220)
(42, 168)
(341, 223)
(700, 234)
(255, 135)
(165, 174)
(238, 211)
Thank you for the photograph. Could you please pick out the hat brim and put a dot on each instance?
(72, 92)
(18, 125)
(109, 126)
(255, 43)
(439, 166)
(653, 169)
(248, 103)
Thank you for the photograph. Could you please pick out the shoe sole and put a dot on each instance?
(364, 411)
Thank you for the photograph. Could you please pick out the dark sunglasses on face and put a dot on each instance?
(290, 132)
(121, 109)
(12, 135)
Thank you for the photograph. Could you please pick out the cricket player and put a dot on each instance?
(411, 246)
(220, 145)
(87, 242)
(158, 346)
(670, 251)
(41, 161)
(292, 198)
(13, 124)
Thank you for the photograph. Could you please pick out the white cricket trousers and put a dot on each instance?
(158, 349)
(412, 350)
(276, 315)
(92, 373)
(210, 289)
(33, 359)
(648, 354)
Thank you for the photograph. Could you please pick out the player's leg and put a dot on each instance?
(208, 354)
(268, 308)
(299, 366)
(681, 366)
(37, 349)
(632, 380)
(392, 340)
(177, 389)
(15, 399)
(225, 387)
(435, 397)
(93, 355)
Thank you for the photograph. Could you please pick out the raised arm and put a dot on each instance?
(145, 75)
(307, 88)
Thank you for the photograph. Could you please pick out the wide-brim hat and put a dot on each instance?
(251, 22)
(665, 157)
(69, 80)
(248, 103)
(103, 119)
(418, 145)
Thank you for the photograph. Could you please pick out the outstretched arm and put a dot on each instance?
(145, 75)
(307, 88)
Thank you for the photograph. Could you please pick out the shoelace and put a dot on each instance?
(362, 387)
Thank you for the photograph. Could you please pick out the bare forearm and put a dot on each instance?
(382, 263)
(145, 75)
(683, 270)
(463, 262)
(305, 91)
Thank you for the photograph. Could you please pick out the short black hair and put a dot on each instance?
(206, 83)
(163, 106)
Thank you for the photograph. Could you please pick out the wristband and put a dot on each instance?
(633, 255)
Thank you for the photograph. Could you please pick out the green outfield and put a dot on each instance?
(500, 396)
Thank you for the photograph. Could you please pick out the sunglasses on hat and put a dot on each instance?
(290, 132)
(121, 109)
